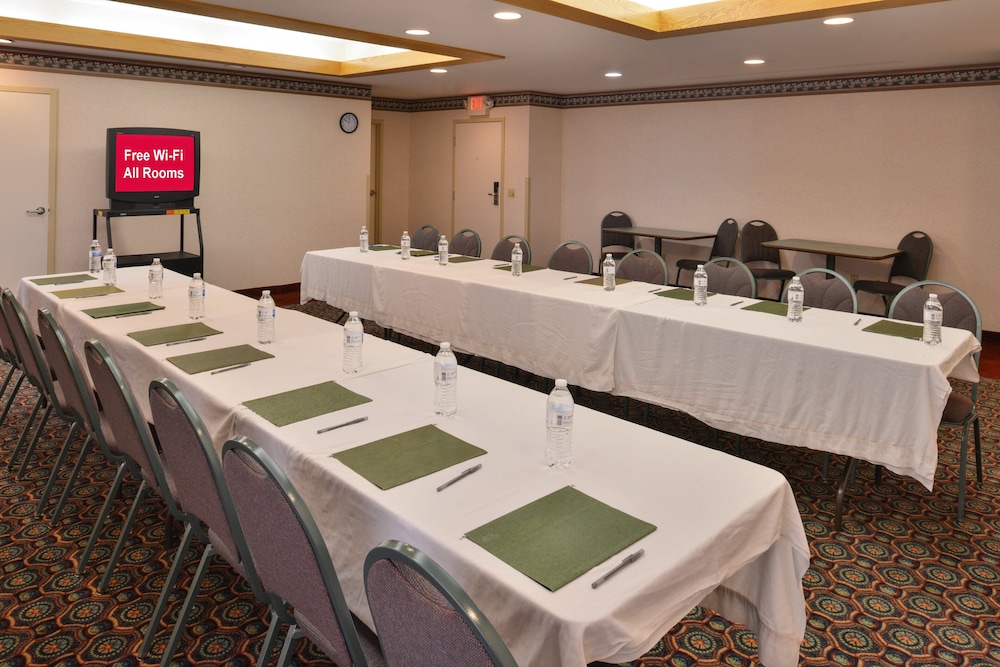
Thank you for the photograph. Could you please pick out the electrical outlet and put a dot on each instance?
(510, 192)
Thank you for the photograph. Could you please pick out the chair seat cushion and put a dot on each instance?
(878, 287)
(689, 264)
(957, 409)
(772, 274)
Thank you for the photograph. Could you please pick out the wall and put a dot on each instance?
(395, 174)
(278, 176)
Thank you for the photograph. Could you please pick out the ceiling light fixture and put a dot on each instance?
(507, 16)
(660, 5)
(418, 32)
(439, 70)
(839, 20)
(754, 61)
(4, 40)
(613, 75)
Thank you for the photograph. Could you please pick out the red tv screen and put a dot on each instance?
(154, 163)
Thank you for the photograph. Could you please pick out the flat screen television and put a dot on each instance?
(153, 168)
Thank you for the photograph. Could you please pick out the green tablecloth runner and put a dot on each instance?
(458, 259)
(772, 307)
(80, 292)
(557, 538)
(298, 405)
(681, 293)
(64, 280)
(890, 328)
(525, 268)
(599, 281)
(149, 337)
(383, 246)
(404, 457)
(123, 309)
(210, 360)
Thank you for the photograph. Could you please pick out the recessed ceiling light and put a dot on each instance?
(438, 70)
(507, 16)
(660, 5)
(418, 32)
(4, 40)
(754, 61)
(839, 20)
(613, 75)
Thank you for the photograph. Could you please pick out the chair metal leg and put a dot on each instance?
(56, 467)
(140, 495)
(963, 454)
(24, 432)
(979, 451)
(168, 588)
(175, 636)
(294, 633)
(270, 639)
(10, 398)
(105, 510)
(845, 478)
(71, 482)
(29, 452)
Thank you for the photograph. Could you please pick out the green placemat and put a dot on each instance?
(64, 280)
(123, 309)
(599, 281)
(149, 337)
(300, 404)
(681, 293)
(383, 246)
(558, 537)
(772, 307)
(890, 328)
(421, 253)
(525, 268)
(210, 360)
(462, 258)
(81, 292)
(404, 457)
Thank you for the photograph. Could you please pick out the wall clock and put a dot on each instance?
(348, 122)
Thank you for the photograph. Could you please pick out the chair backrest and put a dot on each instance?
(33, 363)
(423, 617)
(611, 221)
(130, 436)
(724, 244)
(915, 261)
(425, 238)
(826, 289)
(7, 346)
(200, 485)
(643, 265)
(288, 551)
(960, 311)
(501, 251)
(728, 275)
(753, 235)
(466, 242)
(571, 256)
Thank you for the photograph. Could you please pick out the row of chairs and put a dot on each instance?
(241, 506)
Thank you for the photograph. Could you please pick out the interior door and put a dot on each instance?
(26, 119)
(478, 180)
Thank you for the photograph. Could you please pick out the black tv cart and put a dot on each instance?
(179, 261)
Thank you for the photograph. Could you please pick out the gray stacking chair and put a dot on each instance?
(200, 488)
(466, 242)
(501, 251)
(826, 289)
(724, 245)
(755, 233)
(618, 245)
(912, 265)
(425, 238)
(293, 561)
(423, 617)
(727, 275)
(572, 256)
(9, 354)
(643, 265)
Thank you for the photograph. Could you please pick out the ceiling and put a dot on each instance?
(545, 54)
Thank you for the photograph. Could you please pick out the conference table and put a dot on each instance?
(658, 235)
(739, 549)
(826, 384)
(834, 250)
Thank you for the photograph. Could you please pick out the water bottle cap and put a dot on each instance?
(197, 276)
(446, 346)
(932, 296)
(266, 292)
(701, 266)
(561, 383)
(353, 313)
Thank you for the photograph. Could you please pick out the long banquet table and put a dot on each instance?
(824, 384)
(728, 533)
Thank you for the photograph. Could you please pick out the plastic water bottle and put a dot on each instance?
(608, 271)
(516, 259)
(445, 382)
(559, 427)
(443, 251)
(266, 313)
(155, 279)
(196, 297)
(796, 295)
(95, 257)
(700, 286)
(364, 238)
(354, 338)
(933, 317)
(404, 246)
(110, 267)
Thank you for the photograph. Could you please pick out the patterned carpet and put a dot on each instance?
(903, 583)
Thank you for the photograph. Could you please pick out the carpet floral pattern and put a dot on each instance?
(903, 583)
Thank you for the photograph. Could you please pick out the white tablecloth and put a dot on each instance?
(728, 531)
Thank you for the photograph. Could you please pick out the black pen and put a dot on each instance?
(857, 321)
(736, 303)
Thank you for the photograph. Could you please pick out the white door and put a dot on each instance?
(24, 184)
(478, 180)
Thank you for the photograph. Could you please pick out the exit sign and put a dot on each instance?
(479, 105)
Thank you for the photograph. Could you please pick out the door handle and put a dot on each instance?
(38, 211)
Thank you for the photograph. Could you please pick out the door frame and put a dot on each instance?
(53, 94)
(503, 162)
(375, 183)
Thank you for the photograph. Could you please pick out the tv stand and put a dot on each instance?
(179, 261)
